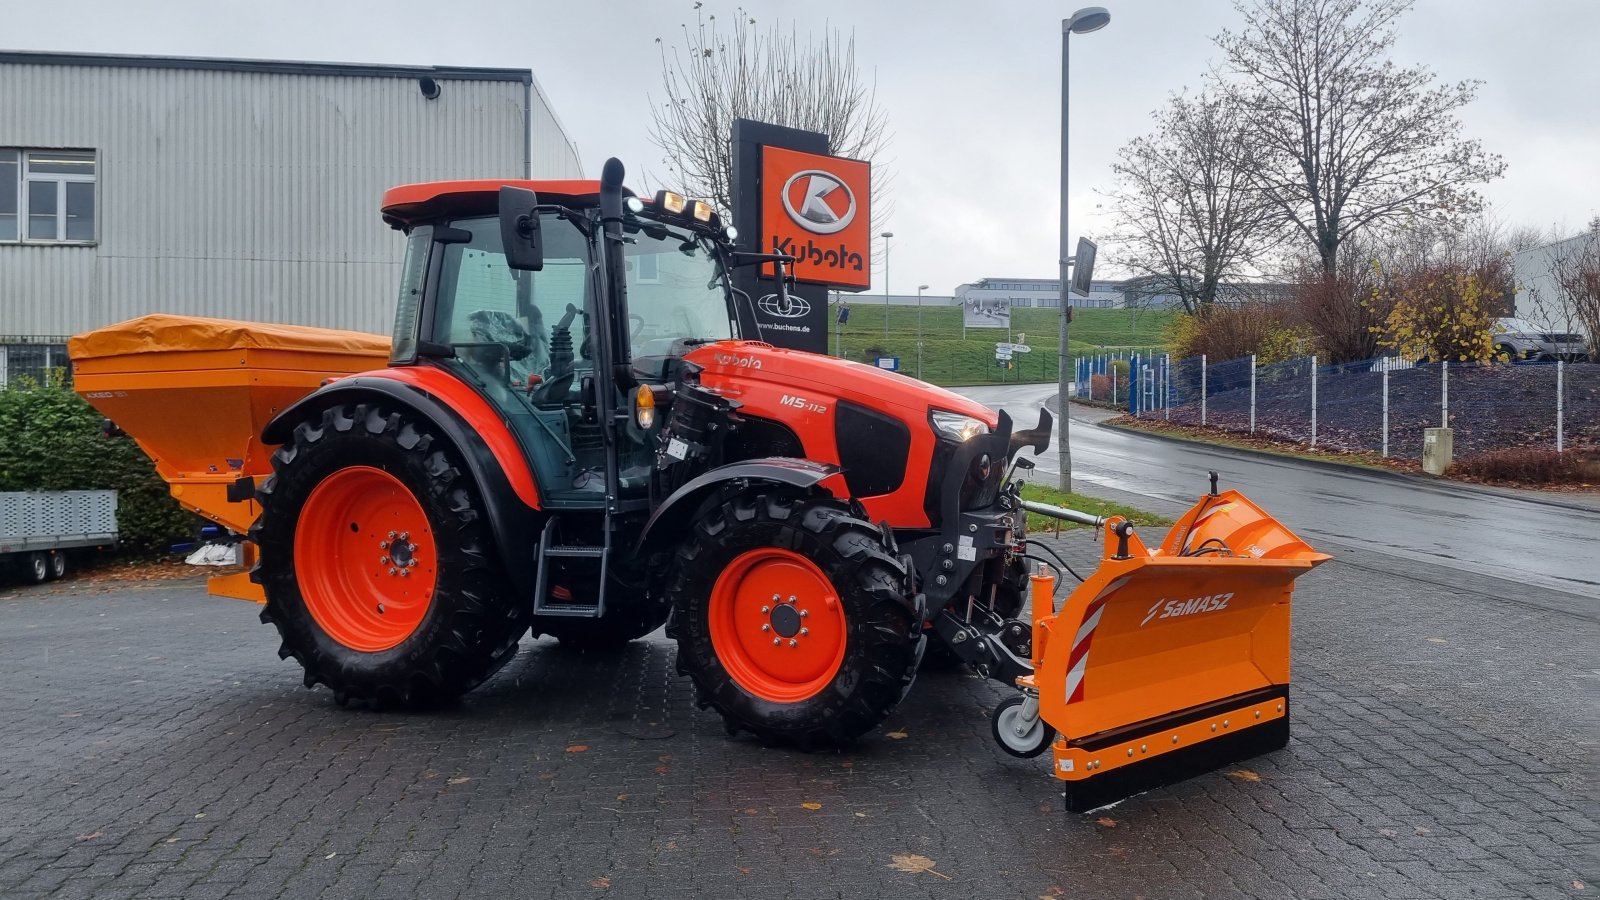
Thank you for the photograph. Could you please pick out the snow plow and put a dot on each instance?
(552, 442)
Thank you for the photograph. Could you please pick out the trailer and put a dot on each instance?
(38, 528)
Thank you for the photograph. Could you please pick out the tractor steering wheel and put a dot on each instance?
(637, 323)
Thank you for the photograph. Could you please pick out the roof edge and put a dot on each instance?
(274, 66)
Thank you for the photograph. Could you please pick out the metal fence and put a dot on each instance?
(34, 359)
(1379, 405)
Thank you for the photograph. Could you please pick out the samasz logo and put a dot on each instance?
(784, 307)
(1171, 609)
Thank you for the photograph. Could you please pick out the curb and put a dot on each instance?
(1347, 468)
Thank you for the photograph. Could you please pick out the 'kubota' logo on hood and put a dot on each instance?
(781, 307)
(742, 362)
(819, 202)
(1171, 609)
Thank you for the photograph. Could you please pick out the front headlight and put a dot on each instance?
(958, 427)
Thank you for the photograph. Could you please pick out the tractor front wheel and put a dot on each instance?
(377, 564)
(791, 617)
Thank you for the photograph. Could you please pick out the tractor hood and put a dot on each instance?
(732, 362)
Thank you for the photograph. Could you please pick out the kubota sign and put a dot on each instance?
(817, 209)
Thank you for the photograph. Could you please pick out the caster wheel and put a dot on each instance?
(1003, 726)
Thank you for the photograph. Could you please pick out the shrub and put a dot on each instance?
(1531, 466)
(1229, 332)
(1440, 313)
(50, 440)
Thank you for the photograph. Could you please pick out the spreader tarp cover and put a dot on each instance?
(167, 334)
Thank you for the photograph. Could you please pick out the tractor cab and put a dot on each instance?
(559, 332)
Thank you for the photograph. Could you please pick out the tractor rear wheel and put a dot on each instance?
(791, 618)
(377, 562)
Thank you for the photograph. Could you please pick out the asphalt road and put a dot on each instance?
(1525, 542)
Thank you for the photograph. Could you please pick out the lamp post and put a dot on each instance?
(1090, 18)
(886, 235)
(920, 289)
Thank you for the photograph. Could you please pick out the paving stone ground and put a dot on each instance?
(152, 745)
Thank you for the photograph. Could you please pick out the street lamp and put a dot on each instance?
(920, 289)
(1090, 18)
(886, 235)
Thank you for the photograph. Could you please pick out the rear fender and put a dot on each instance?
(492, 455)
(673, 517)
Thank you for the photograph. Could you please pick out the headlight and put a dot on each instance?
(644, 407)
(958, 427)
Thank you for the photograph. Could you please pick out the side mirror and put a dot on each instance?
(519, 229)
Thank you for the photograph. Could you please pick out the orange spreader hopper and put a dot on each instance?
(1171, 661)
(195, 393)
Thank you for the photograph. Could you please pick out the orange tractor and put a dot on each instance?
(572, 434)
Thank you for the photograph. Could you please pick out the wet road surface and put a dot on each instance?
(1531, 542)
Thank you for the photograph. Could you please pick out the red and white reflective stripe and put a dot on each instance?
(1078, 658)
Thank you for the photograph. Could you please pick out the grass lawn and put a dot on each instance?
(949, 358)
(1041, 494)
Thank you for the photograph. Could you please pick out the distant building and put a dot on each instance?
(1042, 293)
(236, 188)
(863, 301)
(1540, 300)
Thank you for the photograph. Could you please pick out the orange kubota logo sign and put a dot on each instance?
(816, 209)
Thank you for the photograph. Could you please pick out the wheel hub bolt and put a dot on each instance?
(412, 562)
(791, 598)
(776, 642)
(793, 642)
(804, 632)
(775, 598)
(383, 545)
(766, 609)
(405, 535)
(392, 570)
(404, 572)
(383, 560)
(391, 535)
(766, 628)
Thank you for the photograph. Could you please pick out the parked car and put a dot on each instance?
(1517, 339)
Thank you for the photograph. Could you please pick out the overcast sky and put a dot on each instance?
(971, 89)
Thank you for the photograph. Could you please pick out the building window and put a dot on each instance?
(47, 196)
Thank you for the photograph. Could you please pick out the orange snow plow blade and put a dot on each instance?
(194, 393)
(1171, 661)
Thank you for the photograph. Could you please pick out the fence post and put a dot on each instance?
(1112, 366)
(1202, 389)
(1385, 410)
(1166, 386)
(1252, 393)
(1444, 394)
(1313, 401)
(1561, 365)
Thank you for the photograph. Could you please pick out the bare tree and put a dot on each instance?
(1188, 216)
(724, 72)
(1349, 140)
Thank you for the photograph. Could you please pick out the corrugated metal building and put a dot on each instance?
(237, 188)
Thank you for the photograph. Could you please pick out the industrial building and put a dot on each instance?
(237, 188)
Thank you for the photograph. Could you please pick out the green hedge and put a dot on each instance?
(50, 440)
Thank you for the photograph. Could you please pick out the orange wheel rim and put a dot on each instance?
(777, 625)
(365, 558)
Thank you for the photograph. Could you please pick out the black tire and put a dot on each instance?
(36, 568)
(881, 647)
(58, 565)
(472, 623)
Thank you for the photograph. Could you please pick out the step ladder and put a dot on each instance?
(576, 555)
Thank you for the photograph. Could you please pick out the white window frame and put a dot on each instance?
(25, 179)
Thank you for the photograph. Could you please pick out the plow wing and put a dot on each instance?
(1172, 661)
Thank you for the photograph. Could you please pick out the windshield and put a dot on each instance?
(676, 290)
(502, 321)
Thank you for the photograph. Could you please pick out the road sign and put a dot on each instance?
(892, 363)
(1021, 348)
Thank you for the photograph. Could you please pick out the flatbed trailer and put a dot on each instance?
(38, 528)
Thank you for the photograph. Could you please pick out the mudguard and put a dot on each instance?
(674, 514)
(504, 481)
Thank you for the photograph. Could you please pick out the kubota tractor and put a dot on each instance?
(575, 433)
